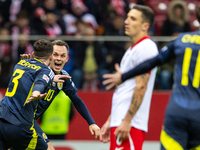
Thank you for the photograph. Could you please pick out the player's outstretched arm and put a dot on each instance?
(112, 80)
(35, 96)
(58, 78)
(50, 146)
(94, 129)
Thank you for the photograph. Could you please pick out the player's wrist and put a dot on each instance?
(127, 120)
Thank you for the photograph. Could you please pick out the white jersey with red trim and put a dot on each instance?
(144, 49)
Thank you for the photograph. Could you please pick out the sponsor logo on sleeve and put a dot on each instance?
(46, 78)
(164, 48)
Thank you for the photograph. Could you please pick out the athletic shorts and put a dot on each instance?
(20, 137)
(180, 133)
(134, 141)
(40, 132)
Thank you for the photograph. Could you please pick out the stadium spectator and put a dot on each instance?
(10, 9)
(121, 6)
(89, 61)
(115, 49)
(49, 26)
(21, 26)
(24, 46)
(48, 19)
(5, 58)
(177, 20)
(79, 11)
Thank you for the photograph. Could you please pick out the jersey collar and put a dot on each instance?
(145, 37)
(38, 60)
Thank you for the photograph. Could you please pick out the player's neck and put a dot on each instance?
(136, 38)
(46, 62)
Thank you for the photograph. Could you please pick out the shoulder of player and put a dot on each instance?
(47, 71)
(147, 47)
(63, 72)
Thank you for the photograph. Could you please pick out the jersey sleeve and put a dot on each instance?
(165, 55)
(43, 79)
(70, 90)
(69, 86)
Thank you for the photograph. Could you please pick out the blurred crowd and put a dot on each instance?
(89, 60)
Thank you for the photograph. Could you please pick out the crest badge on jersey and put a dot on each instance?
(60, 85)
(44, 136)
(53, 84)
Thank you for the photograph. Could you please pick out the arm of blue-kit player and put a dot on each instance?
(117, 78)
(166, 53)
(59, 78)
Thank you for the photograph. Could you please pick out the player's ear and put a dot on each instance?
(67, 58)
(51, 57)
(145, 26)
(32, 54)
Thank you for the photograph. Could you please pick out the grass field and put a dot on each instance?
(95, 145)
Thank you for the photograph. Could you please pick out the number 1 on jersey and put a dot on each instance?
(185, 69)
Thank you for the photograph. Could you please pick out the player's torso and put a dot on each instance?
(123, 94)
(186, 90)
(20, 89)
(134, 56)
(52, 91)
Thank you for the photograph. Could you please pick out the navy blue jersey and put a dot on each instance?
(52, 91)
(186, 50)
(28, 76)
(70, 90)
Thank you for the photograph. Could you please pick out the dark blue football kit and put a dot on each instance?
(70, 90)
(17, 117)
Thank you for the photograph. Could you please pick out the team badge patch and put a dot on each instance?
(44, 136)
(46, 78)
(53, 84)
(60, 85)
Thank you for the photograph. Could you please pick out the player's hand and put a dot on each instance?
(94, 129)
(25, 56)
(105, 132)
(35, 96)
(58, 78)
(112, 80)
(122, 131)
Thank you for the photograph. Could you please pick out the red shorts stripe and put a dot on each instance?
(134, 142)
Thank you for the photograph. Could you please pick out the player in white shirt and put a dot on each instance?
(131, 100)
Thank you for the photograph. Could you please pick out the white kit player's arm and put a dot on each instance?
(139, 91)
(105, 131)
